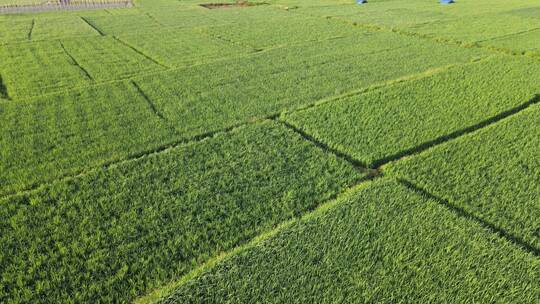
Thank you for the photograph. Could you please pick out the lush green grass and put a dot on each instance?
(14, 30)
(49, 28)
(62, 134)
(32, 69)
(124, 24)
(113, 234)
(382, 244)
(105, 58)
(477, 28)
(200, 99)
(184, 47)
(384, 123)
(135, 155)
(378, 14)
(523, 43)
(493, 174)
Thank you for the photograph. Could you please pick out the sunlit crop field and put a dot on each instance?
(291, 151)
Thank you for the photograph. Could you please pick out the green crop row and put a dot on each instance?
(32, 69)
(194, 100)
(22, 28)
(214, 96)
(105, 58)
(46, 138)
(382, 244)
(383, 124)
(493, 174)
(183, 47)
(266, 34)
(522, 43)
(466, 22)
(113, 234)
(477, 28)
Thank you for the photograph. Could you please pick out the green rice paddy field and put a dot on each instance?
(295, 151)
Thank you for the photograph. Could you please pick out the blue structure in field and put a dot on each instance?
(447, 1)
(361, 1)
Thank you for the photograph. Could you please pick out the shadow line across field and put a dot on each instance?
(440, 140)
(463, 213)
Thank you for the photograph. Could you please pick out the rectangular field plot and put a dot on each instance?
(523, 43)
(210, 97)
(114, 234)
(124, 24)
(47, 28)
(15, 30)
(428, 14)
(398, 17)
(477, 28)
(249, 15)
(493, 174)
(105, 58)
(265, 34)
(392, 14)
(62, 134)
(531, 12)
(189, 17)
(382, 244)
(183, 47)
(31, 69)
(182, 18)
(382, 124)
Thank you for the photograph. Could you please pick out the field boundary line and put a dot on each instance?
(327, 149)
(460, 211)
(95, 28)
(153, 107)
(381, 85)
(493, 120)
(154, 19)
(31, 29)
(202, 136)
(76, 62)
(338, 198)
(3, 90)
(173, 144)
(437, 39)
(236, 57)
(510, 35)
(167, 68)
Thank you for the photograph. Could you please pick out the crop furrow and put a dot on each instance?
(75, 62)
(334, 200)
(93, 26)
(519, 242)
(3, 90)
(152, 106)
(140, 52)
(132, 157)
(358, 164)
(454, 135)
(31, 29)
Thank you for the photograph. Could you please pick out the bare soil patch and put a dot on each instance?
(229, 5)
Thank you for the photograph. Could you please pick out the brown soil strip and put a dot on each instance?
(229, 5)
